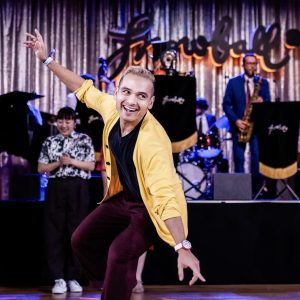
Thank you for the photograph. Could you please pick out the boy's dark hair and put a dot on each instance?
(66, 113)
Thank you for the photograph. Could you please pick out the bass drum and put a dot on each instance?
(193, 180)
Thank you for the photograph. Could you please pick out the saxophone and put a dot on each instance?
(245, 134)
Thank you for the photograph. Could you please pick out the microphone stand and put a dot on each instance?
(277, 97)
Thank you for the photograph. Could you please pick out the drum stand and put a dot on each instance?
(200, 186)
(193, 187)
(207, 169)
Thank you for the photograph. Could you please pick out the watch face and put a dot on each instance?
(186, 244)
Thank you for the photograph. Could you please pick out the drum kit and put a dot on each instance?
(197, 164)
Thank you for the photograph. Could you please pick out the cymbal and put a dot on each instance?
(18, 97)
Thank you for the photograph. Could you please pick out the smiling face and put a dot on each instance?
(133, 97)
(66, 126)
(66, 121)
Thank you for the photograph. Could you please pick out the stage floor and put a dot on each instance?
(174, 292)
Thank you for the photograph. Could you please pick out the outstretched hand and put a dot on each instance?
(36, 43)
(186, 259)
(69, 78)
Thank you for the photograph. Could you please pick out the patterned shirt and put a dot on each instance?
(78, 145)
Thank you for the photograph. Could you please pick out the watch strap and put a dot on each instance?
(185, 244)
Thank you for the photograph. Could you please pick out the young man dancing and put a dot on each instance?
(144, 195)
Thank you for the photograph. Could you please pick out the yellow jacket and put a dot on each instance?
(159, 184)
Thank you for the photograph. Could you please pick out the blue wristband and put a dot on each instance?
(48, 60)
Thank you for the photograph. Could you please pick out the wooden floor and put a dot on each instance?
(201, 292)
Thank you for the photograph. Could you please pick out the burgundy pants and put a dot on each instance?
(109, 242)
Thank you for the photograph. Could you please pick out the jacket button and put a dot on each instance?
(107, 163)
(108, 178)
(106, 146)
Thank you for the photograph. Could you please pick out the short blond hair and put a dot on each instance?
(141, 72)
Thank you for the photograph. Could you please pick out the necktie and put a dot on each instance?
(200, 125)
(248, 95)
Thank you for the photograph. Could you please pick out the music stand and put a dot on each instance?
(14, 119)
(277, 128)
(175, 108)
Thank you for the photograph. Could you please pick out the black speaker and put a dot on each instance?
(235, 186)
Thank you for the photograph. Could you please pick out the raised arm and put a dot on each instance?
(69, 78)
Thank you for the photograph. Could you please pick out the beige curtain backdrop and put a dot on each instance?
(78, 30)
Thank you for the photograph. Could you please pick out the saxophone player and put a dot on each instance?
(236, 100)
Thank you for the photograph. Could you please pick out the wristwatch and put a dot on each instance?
(185, 244)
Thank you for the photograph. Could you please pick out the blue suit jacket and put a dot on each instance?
(234, 101)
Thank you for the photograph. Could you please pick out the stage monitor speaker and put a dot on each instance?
(235, 186)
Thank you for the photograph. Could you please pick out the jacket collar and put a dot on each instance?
(255, 79)
(72, 135)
